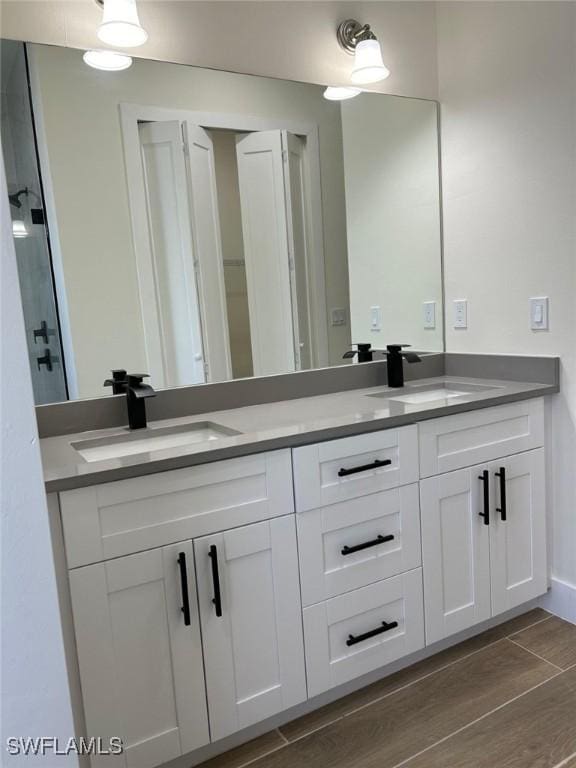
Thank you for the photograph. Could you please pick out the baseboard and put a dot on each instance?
(561, 600)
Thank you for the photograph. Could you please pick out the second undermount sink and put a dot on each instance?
(419, 394)
(128, 443)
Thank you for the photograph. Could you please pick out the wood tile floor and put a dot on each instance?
(503, 699)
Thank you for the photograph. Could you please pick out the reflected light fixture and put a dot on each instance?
(110, 61)
(340, 92)
(120, 24)
(19, 229)
(359, 39)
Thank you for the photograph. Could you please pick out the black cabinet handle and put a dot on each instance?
(502, 507)
(184, 585)
(386, 627)
(346, 550)
(365, 467)
(485, 477)
(217, 599)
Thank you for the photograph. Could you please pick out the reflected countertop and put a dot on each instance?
(282, 424)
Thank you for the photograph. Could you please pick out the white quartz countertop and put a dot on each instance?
(282, 424)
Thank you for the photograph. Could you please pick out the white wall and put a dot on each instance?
(391, 173)
(34, 683)
(508, 87)
(84, 145)
(292, 40)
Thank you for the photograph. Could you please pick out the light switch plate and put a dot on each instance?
(460, 313)
(375, 319)
(338, 316)
(539, 313)
(429, 316)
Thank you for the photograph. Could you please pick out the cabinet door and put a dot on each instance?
(455, 552)
(518, 536)
(140, 663)
(251, 618)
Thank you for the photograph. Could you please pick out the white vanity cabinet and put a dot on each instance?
(250, 613)
(140, 658)
(484, 526)
(161, 665)
(357, 510)
(210, 598)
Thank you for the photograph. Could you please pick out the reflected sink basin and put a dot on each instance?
(150, 439)
(417, 395)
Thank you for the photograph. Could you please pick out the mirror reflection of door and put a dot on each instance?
(228, 212)
(273, 220)
(180, 271)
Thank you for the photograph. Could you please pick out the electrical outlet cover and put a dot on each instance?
(460, 313)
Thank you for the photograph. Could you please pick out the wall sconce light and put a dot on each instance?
(19, 229)
(340, 93)
(359, 39)
(120, 24)
(109, 61)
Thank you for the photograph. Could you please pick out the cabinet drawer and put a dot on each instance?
(347, 636)
(115, 519)
(465, 439)
(357, 542)
(333, 471)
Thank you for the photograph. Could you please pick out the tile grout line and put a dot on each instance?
(284, 739)
(566, 760)
(560, 669)
(478, 719)
(287, 741)
(525, 629)
(440, 669)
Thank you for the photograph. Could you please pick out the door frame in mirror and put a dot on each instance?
(132, 114)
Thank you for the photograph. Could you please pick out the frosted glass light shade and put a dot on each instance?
(368, 64)
(110, 61)
(120, 24)
(340, 93)
(19, 229)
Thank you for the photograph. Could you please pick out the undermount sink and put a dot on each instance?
(429, 393)
(150, 439)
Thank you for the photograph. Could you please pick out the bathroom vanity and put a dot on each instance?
(210, 597)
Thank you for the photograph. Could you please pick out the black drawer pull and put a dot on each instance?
(346, 550)
(217, 599)
(184, 584)
(386, 627)
(485, 477)
(502, 507)
(365, 467)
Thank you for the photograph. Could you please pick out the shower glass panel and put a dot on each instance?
(28, 226)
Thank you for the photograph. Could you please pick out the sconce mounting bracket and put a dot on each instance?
(351, 32)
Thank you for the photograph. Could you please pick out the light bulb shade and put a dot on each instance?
(340, 93)
(110, 61)
(19, 229)
(368, 64)
(120, 24)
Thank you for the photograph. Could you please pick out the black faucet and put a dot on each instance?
(136, 393)
(394, 362)
(364, 353)
(117, 382)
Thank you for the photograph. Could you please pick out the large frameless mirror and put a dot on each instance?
(200, 225)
